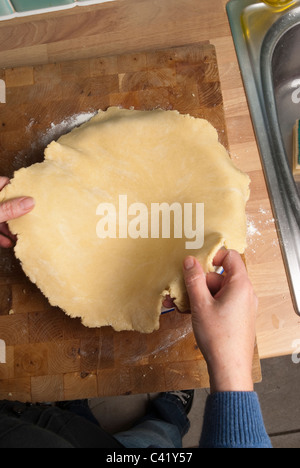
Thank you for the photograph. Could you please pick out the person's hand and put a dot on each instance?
(10, 210)
(223, 315)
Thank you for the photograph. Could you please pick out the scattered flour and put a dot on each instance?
(261, 210)
(252, 229)
(255, 238)
(41, 140)
(57, 130)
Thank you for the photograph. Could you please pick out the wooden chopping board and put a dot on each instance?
(47, 355)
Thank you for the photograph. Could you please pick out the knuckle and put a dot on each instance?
(8, 210)
(192, 279)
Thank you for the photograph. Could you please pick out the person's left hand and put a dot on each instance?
(11, 209)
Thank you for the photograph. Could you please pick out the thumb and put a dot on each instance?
(195, 281)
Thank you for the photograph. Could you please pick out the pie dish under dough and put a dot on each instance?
(152, 157)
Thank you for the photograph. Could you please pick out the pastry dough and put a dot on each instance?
(152, 157)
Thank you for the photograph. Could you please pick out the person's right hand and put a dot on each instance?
(223, 315)
(11, 209)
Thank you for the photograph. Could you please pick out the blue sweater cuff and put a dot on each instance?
(234, 420)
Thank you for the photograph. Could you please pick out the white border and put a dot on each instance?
(41, 11)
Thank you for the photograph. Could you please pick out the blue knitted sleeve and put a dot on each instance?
(234, 420)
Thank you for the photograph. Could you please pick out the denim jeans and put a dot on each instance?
(40, 426)
(73, 425)
(163, 426)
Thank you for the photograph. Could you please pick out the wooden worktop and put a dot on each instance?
(135, 25)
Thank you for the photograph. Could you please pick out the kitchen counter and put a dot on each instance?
(134, 25)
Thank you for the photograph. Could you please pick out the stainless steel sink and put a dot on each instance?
(267, 42)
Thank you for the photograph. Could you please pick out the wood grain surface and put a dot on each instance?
(50, 356)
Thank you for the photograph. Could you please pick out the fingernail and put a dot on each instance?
(189, 262)
(26, 203)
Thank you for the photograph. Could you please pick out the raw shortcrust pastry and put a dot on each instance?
(152, 156)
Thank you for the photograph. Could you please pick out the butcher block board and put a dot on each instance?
(45, 355)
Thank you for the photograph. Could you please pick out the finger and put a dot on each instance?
(12, 209)
(195, 281)
(5, 230)
(5, 242)
(231, 261)
(214, 282)
(3, 181)
(168, 302)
